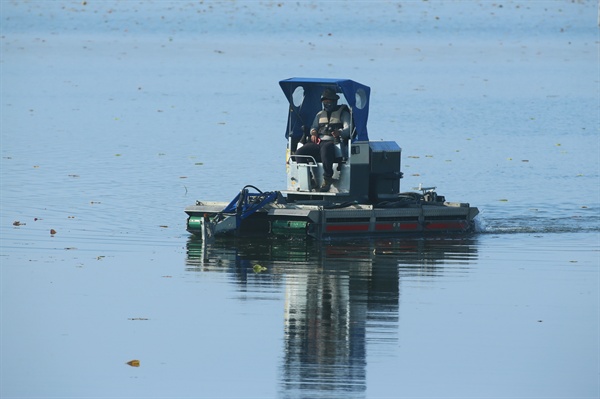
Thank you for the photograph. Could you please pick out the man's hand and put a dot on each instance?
(314, 136)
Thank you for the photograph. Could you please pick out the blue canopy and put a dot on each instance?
(304, 96)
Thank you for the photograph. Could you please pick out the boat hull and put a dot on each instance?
(320, 222)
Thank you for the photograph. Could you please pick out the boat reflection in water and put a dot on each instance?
(339, 298)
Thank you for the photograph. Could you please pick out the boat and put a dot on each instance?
(364, 198)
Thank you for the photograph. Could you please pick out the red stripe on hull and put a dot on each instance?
(378, 227)
(352, 227)
(390, 226)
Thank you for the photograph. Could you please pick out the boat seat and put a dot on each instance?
(339, 154)
(301, 173)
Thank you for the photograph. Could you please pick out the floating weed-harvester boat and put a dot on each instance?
(364, 198)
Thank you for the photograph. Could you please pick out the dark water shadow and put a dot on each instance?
(339, 297)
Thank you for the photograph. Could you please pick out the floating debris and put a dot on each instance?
(138, 318)
(17, 223)
(258, 268)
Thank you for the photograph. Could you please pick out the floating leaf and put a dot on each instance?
(134, 363)
(52, 231)
(503, 200)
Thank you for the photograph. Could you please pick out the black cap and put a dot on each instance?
(329, 94)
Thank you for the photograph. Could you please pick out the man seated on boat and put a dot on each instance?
(331, 123)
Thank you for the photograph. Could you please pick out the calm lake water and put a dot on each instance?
(117, 115)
